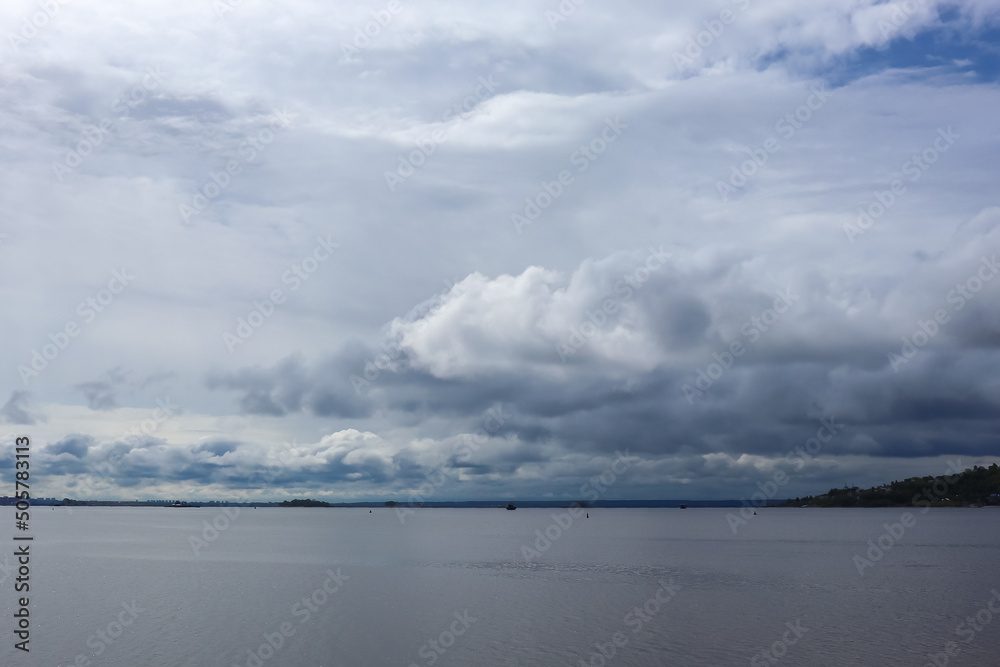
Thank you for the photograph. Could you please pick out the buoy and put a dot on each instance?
(588, 515)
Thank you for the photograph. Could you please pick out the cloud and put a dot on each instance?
(75, 445)
(17, 411)
(100, 394)
(514, 324)
(291, 387)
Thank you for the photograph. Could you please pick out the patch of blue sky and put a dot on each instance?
(932, 51)
(944, 48)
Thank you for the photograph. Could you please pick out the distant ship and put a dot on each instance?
(684, 507)
(180, 504)
(510, 506)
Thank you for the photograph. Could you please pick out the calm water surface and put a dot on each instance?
(461, 579)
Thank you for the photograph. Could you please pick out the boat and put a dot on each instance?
(511, 506)
(684, 507)
(180, 504)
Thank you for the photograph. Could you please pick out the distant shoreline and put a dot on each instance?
(458, 504)
(526, 504)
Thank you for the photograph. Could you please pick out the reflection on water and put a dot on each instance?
(325, 587)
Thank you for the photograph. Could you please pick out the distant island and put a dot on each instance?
(304, 503)
(973, 487)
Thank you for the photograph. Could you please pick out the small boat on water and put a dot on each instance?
(180, 504)
(510, 506)
(684, 507)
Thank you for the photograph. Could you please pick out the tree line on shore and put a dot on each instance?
(976, 486)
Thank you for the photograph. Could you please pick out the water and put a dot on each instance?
(460, 578)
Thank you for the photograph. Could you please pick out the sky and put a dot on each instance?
(530, 250)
